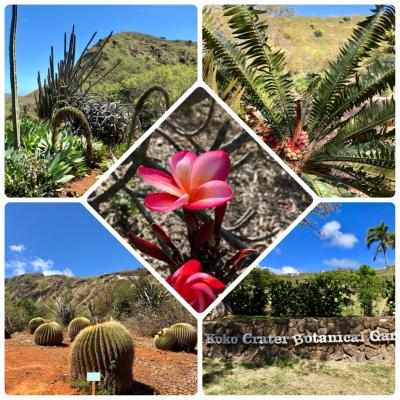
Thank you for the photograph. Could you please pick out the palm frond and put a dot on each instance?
(366, 36)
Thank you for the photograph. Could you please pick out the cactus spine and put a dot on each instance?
(34, 323)
(76, 325)
(186, 336)
(106, 348)
(60, 114)
(48, 334)
(165, 339)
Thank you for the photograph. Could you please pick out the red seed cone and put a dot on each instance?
(297, 145)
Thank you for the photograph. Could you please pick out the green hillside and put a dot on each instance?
(145, 60)
(295, 35)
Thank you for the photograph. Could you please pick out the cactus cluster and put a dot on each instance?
(181, 337)
(48, 334)
(34, 323)
(106, 348)
(76, 325)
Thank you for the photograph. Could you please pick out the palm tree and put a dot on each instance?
(379, 234)
(338, 136)
(13, 76)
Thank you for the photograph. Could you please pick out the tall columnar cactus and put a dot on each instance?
(59, 115)
(186, 336)
(106, 348)
(34, 323)
(165, 339)
(76, 325)
(48, 334)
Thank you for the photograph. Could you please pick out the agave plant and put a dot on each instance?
(338, 134)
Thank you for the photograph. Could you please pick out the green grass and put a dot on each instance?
(298, 377)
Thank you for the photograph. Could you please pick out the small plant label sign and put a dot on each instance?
(93, 376)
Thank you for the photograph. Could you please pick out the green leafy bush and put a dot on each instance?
(390, 294)
(346, 19)
(318, 33)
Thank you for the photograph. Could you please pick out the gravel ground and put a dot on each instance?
(266, 199)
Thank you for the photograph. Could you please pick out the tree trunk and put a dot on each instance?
(13, 77)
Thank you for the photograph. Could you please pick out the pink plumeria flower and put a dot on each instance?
(195, 286)
(197, 182)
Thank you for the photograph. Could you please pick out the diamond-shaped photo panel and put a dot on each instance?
(200, 199)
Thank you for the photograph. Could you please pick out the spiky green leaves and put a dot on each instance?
(186, 336)
(106, 348)
(48, 334)
(165, 339)
(34, 323)
(76, 325)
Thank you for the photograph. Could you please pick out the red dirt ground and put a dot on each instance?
(78, 187)
(31, 369)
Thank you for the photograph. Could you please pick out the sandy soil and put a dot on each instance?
(35, 370)
(78, 187)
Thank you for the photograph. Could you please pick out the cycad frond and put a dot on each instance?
(322, 187)
(366, 36)
(370, 123)
(250, 34)
(234, 62)
(378, 79)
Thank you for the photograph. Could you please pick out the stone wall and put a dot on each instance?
(364, 350)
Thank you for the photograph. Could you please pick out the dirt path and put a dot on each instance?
(31, 369)
(78, 187)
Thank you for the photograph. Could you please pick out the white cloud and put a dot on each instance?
(17, 248)
(342, 263)
(17, 267)
(331, 231)
(46, 267)
(284, 270)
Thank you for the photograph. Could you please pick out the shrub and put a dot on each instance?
(390, 294)
(64, 310)
(248, 299)
(346, 18)
(312, 26)
(318, 33)
(106, 348)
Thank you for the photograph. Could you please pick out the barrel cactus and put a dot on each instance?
(165, 339)
(34, 323)
(48, 334)
(186, 336)
(106, 348)
(76, 325)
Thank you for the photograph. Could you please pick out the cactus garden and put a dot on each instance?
(92, 99)
(332, 119)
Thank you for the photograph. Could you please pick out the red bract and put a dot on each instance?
(195, 286)
(197, 182)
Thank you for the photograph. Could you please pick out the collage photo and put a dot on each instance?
(199, 199)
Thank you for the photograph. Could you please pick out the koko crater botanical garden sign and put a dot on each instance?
(339, 338)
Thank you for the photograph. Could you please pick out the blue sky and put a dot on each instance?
(60, 238)
(343, 243)
(327, 10)
(40, 27)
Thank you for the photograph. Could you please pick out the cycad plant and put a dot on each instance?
(338, 134)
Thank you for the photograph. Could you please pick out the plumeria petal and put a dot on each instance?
(210, 166)
(160, 180)
(210, 194)
(164, 202)
(181, 165)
